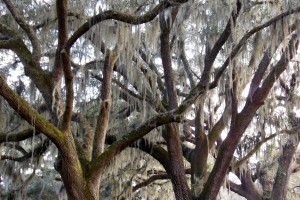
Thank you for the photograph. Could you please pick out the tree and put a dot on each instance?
(154, 77)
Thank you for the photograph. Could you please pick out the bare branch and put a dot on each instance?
(63, 65)
(290, 51)
(212, 54)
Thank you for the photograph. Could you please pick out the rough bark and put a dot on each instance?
(283, 172)
(199, 154)
(177, 171)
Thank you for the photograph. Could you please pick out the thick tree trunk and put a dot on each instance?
(77, 188)
(73, 174)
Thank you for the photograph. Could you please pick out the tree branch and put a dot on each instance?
(36, 152)
(128, 139)
(29, 30)
(290, 51)
(105, 105)
(212, 54)
(123, 17)
(150, 180)
(63, 62)
(253, 151)
(30, 114)
(17, 137)
(243, 40)
(89, 134)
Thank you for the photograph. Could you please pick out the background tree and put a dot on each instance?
(122, 94)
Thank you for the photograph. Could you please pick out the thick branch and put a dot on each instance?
(89, 135)
(128, 139)
(247, 188)
(284, 171)
(29, 114)
(103, 117)
(63, 62)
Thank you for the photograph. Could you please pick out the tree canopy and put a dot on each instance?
(135, 99)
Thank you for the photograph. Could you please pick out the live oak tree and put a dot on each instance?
(197, 86)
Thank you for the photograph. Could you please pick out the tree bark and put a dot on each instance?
(283, 172)
(177, 170)
(200, 153)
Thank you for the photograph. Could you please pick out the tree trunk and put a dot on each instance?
(73, 174)
(200, 153)
(283, 172)
(177, 170)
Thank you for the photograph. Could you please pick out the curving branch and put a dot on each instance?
(32, 69)
(29, 30)
(150, 180)
(17, 137)
(155, 177)
(128, 139)
(123, 17)
(212, 54)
